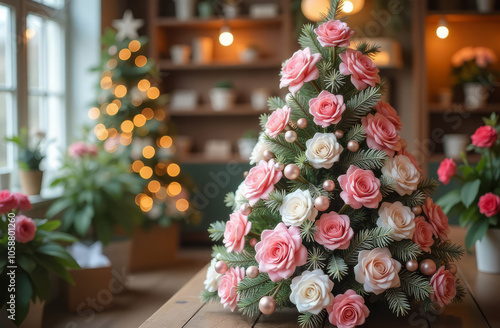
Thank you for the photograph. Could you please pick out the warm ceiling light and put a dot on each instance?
(442, 30)
(314, 10)
(351, 7)
(226, 38)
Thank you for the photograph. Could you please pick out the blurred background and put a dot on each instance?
(138, 117)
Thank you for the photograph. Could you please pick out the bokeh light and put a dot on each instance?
(141, 61)
(112, 109)
(139, 120)
(174, 189)
(137, 166)
(148, 113)
(143, 85)
(182, 205)
(127, 126)
(124, 54)
(146, 172)
(148, 152)
(173, 170)
(154, 186)
(153, 93)
(94, 113)
(106, 82)
(165, 142)
(120, 91)
(134, 45)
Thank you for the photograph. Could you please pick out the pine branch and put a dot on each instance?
(216, 230)
(250, 305)
(335, 11)
(207, 297)
(369, 49)
(428, 186)
(366, 159)
(386, 185)
(359, 106)
(365, 240)
(280, 146)
(359, 218)
(405, 250)
(337, 267)
(350, 283)
(308, 39)
(428, 305)
(397, 300)
(275, 103)
(275, 200)
(461, 292)
(307, 231)
(263, 121)
(417, 198)
(248, 287)
(356, 133)
(233, 259)
(229, 200)
(302, 163)
(382, 237)
(415, 285)
(309, 320)
(316, 259)
(443, 252)
(333, 80)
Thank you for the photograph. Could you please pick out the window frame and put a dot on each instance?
(20, 100)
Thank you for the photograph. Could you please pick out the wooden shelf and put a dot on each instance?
(201, 158)
(167, 65)
(488, 108)
(439, 157)
(463, 16)
(200, 23)
(206, 110)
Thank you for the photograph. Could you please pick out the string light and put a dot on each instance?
(106, 82)
(173, 170)
(112, 132)
(125, 140)
(112, 109)
(145, 172)
(162, 193)
(174, 189)
(143, 85)
(134, 45)
(148, 152)
(148, 113)
(153, 93)
(138, 198)
(165, 142)
(120, 91)
(127, 126)
(160, 169)
(146, 203)
(160, 115)
(141, 61)
(137, 166)
(124, 54)
(182, 205)
(94, 113)
(112, 63)
(154, 186)
(226, 38)
(139, 120)
(353, 6)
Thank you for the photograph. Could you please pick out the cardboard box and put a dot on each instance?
(93, 289)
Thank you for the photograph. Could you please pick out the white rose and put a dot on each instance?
(404, 173)
(312, 291)
(377, 270)
(258, 151)
(398, 217)
(213, 278)
(298, 207)
(323, 150)
(239, 199)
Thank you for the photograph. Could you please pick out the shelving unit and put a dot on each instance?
(432, 73)
(272, 37)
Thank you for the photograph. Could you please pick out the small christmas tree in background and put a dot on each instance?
(337, 214)
(133, 119)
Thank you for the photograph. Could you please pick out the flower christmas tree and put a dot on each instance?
(336, 214)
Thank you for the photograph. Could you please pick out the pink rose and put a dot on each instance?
(334, 33)
(446, 170)
(80, 149)
(489, 204)
(7, 202)
(381, 134)
(377, 270)
(361, 68)
(299, 69)
(437, 219)
(423, 234)
(412, 158)
(236, 229)
(388, 111)
(25, 229)
(360, 188)
(333, 231)
(484, 137)
(228, 288)
(280, 251)
(278, 121)
(23, 203)
(443, 287)
(260, 181)
(348, 310)
(327, 108)
(92, 150)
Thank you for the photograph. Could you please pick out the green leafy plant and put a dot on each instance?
(224, 85)
(478, 180)
(35, 260)
(250, 134)
(473, 65)
(30, 153)
(99, 195)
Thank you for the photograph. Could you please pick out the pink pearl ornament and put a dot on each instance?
(339, 134)
(253, 242)
(301, 123)
(221, 267)
(428, 267)
(245, 174)
(290, 136)
(321, 203)
(252, 272)
(267, 305)
(279, 166)
(246, 209)
(267, 154)
(353, 146)
(412, 265)
(329, 185)
(292, 171)
(417, 210)
(452, 267)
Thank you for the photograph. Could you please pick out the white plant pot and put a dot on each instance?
(222, 99)
(485, 6)
(230, 11)
(259, 98)
(454, 145)
(245, 147)
(488, 252)
(180, 54)
(184, 9)
(476, 95)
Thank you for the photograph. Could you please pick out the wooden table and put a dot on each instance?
(480, 308)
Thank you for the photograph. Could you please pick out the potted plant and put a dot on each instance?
(231, 8)
(222, 96)
(30, 251)
(478, 200)
(472, 69)
(98, 197)
(206, 8)
(30, 155)
(247, 143)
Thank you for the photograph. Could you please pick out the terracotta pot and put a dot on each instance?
(154, 248)
(95, 284)
(488, 252)
(31, 181)
(32, 320)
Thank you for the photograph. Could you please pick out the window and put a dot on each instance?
(32, 83)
